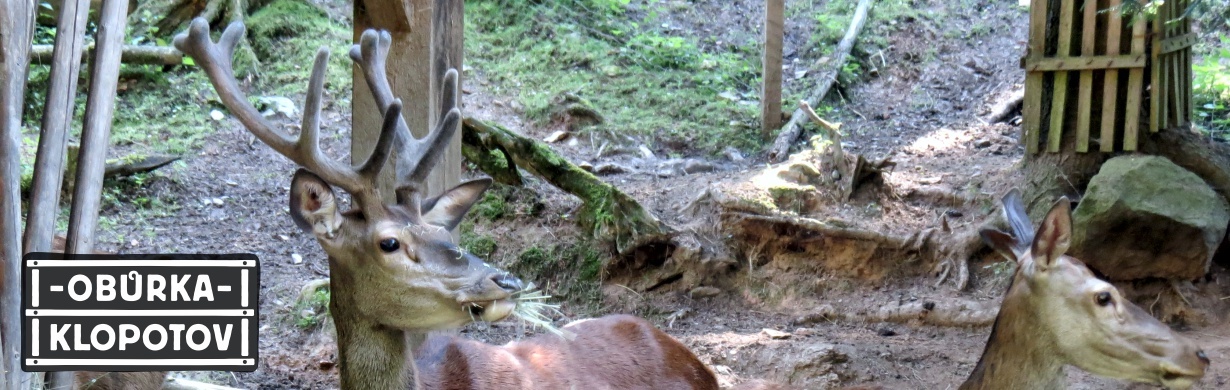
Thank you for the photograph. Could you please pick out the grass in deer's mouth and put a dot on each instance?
(532, 308)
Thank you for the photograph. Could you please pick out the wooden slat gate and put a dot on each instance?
(1085, 46)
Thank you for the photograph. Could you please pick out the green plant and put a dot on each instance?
(312, 308)
(1211, 89)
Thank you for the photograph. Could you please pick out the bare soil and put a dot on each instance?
(922, 110)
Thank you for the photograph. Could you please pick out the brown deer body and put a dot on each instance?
(395, 273)
(1057, 313)
(645, 358)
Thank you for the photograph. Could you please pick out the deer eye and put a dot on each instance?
(389, 245)
(1103, 298)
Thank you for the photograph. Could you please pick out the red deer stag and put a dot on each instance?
(1057, 313)
(396, 274)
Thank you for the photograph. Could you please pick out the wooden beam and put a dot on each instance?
(16, 31)
(447, 49)
(1032, 107)
(1084, 105)
(1110, 87)
(1085, 63)
(1060, 91)
(1179, 42)
(771, 61)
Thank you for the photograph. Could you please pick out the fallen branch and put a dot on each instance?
(790, 133)
(1008, 108)
(185, 384)
(606, 212)
(130, 54)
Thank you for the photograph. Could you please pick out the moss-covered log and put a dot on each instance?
(607, 213)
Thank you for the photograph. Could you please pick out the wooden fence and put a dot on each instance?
(1081, 47)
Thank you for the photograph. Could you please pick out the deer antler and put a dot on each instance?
(215, 59)
(418, 156)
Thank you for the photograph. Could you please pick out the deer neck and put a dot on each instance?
(370, 355)
(1017, 356)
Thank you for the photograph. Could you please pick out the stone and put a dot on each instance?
(704, 292)
(775, 334)
(1144, 216)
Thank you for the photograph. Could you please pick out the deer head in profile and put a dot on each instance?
(1057, 313)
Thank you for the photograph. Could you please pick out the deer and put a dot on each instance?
(396, 276)
(1057, 313)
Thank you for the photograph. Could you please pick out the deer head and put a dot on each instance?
(393, 264)
(1058, 304)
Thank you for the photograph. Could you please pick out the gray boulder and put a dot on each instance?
(1144, 216)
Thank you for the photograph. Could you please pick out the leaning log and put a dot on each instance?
(606, 213)
(129, 54)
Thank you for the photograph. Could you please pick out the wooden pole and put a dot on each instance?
(57, 117)
(99, 110)
(771, 88)
(16, 31)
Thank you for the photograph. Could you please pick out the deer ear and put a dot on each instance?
(449, 208)
(1055, 234)
(313, 204)
(1001, 242)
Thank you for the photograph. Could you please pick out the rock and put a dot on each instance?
(296, 258)
(982, 143)
(645, 152)
(277, 105)
(610, 169)
(558, 135)
(733, 154)
(586, 166)
(775, 334)
(692, 165)
(1144, 216)
(704, 292)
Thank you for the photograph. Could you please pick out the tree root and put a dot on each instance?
(957, 312)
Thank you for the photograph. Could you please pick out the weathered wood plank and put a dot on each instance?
(1135, 89)
(1032, 109)
(16, 29)
(1110, 88)
(1051, 64)
(1178, 42)
(1156, 86)
(771, 61)
(1089, 28)
(1060, 91)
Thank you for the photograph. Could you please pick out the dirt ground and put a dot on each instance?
(922, 111)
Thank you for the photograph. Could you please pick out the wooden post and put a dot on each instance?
(771, 88)
(16, 31)
(411, 76)
(99, 111)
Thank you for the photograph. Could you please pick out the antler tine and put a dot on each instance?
(414, 167)
(415, 157)
(380, 154)
(215, 59)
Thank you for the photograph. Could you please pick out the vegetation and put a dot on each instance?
(643, 78)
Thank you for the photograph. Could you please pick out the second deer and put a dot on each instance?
(1056, 313)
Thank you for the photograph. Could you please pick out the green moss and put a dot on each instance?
(285, 36)
(643, 79)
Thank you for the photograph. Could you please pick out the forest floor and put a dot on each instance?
(922, 109)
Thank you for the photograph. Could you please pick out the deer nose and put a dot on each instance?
(507, 282)
(1203, 357)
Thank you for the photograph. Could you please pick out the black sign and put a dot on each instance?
(140, 312)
